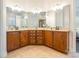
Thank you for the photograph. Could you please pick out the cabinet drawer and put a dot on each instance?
(40, 41)
(32, 41)
(32, 31)
(32, 34)
(39, 37)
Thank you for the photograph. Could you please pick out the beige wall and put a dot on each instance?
(3, 49)
(72, 28)
(29, 5)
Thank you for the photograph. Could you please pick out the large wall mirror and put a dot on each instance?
(51, 18)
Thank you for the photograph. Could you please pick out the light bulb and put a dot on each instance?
(15, 8)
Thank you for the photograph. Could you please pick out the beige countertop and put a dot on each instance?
(53, 29)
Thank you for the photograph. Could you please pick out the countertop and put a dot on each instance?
(53, 29)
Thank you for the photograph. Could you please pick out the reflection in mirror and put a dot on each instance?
(16, 19)
(23, 19)
(63, 17)
(58, 18)
(42, 23)
(50, 19)
(11, 19)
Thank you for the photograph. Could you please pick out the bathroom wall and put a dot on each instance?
(35, 4)
(3, 49)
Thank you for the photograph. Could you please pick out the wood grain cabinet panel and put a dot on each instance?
(49, 38)
(40, 37)
(61, 41)
(24, 38)
(13, 41)
(32, 37)
(32, 40)
(10, 42)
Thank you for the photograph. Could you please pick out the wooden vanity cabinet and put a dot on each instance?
(40, 37)
(49, 38)
(36, 37)
(13, 40)
(32, 36)
(61, 41)
(54, 39)
(24, 38)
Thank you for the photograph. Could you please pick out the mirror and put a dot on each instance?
(52, 18)
(59, 18)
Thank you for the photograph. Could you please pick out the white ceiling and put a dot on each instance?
(29, 5)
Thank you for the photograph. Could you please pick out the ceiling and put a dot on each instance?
(29, 5)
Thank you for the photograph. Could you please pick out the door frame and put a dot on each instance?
(73, 31)
(76, 53)
(3, 46)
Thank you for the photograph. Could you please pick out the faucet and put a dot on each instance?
(16, 27)
(57, 27)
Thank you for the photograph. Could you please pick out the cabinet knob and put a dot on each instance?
(37, 34)
(37, 37)
(30, 37)
(33, 34)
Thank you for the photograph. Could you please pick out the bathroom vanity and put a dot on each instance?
(55, 39)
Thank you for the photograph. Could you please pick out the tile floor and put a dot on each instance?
(36, 52)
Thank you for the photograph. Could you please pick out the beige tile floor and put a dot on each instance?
(36, 52)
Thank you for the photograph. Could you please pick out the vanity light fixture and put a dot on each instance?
(36, 10)
(15, 8)
(59, 5)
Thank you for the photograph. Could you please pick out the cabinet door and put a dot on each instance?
(32, 36)
(24, 38)
(60, 41)
(40, 37)
(12, 40)
(16, 39)
(49, 38)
